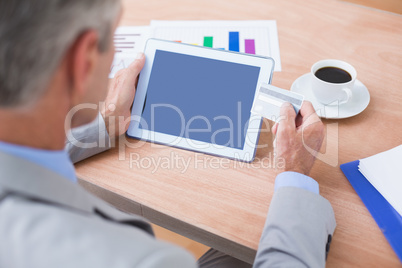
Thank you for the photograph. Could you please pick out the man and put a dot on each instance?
(55, 57)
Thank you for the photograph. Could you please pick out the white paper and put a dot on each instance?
(128, 41)
(384, 172)
(264, 33)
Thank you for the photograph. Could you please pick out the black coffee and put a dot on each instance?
(333, 75)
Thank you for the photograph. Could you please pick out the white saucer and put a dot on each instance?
(356, 105)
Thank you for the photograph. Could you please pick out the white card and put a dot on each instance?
(269, 99)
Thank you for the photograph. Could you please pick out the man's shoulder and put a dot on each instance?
(36, 183)
(42, 235)
(47, 221)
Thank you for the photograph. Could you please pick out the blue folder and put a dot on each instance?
(387, 218)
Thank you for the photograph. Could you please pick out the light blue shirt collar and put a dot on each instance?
(56, 161)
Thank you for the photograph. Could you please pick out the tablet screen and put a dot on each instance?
(199, 98)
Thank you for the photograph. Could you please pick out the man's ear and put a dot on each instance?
(82, 59)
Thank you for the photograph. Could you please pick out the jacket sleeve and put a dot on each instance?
(298, 230)
(88, 140)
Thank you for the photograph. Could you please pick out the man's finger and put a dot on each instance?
(136, 66)
(308, 113)
(307, 109)
(287, 116)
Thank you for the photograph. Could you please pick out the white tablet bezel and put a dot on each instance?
(251, 138)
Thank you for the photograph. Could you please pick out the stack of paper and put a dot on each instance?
(384, 172)
(253, 37)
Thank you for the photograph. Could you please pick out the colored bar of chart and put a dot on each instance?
(208, 41)
(234, 44)
(249, 46)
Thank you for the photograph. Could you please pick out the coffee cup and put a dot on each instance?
(333, 81)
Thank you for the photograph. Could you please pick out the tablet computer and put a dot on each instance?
(199, 99)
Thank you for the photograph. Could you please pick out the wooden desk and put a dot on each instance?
(226, 208)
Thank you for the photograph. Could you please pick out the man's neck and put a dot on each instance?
(36, 128)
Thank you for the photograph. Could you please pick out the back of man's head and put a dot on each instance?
(36, 34)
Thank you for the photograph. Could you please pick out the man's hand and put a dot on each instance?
(120, 97)
(294, 135)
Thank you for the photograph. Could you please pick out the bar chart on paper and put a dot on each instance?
(253, 37)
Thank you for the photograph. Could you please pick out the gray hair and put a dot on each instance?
(35, 35)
